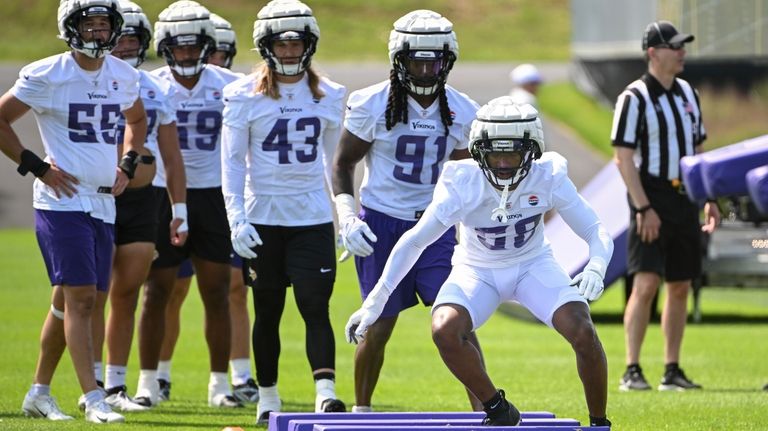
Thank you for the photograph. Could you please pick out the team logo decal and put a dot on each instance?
(217, 95)
(533, 200)
(115, 86)
(151, 94)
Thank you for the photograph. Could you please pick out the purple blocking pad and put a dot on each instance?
(308, 425)
(322, 427)
(757, 184)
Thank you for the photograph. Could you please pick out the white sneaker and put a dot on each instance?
(43, 406)
(101, 413)
(122, 402)
(226, 401)
(361, 409)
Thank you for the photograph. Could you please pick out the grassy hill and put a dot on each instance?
(488, 30)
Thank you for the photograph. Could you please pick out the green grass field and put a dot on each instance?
(726, 353)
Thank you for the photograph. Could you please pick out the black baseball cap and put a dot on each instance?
(663, 33)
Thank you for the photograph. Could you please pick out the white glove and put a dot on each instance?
(590, 282)
(367, 315)
(355, 233)
(244, 238)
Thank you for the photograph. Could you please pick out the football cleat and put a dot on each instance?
(43, 406)
(165, 390)
(223, 401)
(503, 414)
(119, 400)
(332, 405)
(101, 413)
(248, 392)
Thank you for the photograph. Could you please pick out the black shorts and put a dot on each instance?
(676, 255)
(137, 213)
(294, 253)
(208, 229)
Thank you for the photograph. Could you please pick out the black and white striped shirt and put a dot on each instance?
(661, 125)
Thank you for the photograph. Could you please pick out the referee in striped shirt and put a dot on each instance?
(657, 121)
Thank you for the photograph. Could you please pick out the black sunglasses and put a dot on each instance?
(672, 46)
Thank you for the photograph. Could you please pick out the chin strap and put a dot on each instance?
(500, 213)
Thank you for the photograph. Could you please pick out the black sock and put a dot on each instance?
(633, 367)
(494, 403)
(672, 366)
(598, 422)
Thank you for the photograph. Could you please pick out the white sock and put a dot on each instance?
(38, 389)
(240, 369)
(217, 384)
(269, 399)
(361, 409)
(148, 386)
(324, 389)
(115, 376)
(98, 371)
(93, 397)
(164, 370)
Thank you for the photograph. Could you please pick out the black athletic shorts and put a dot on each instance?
(293, 253)
(676, 255)
(208, 229)
(137, 213)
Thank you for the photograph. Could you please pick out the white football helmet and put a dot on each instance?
(185, 23)
(136, 24)
(503, 126)
(225, 38)
(71, 12)
(427, 36)
(286, 20)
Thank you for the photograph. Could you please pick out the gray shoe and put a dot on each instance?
(633, 380)
(675, 380)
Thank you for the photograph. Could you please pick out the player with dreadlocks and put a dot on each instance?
(406, 128)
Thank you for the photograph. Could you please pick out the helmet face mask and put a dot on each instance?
(418, 37)
(288, 65)
(135, 36)
(184, 36)
(423, 72)
(226, 43)
(509, 132)
(487, 153)
(284, 20)
(76, 18)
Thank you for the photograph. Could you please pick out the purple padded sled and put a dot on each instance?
(690, 172)
(724, 169)
(308, 424)
(757, 184)
(278, 421)
(321, 427)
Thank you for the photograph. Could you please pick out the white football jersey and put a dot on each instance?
(77, 113)
(463, 195)
(403, 164)
(283, 144)
(157, 96)
(198, 118)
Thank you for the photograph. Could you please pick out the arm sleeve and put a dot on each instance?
(330, 141)
(234, 150)
(408, 249)
(583, 220)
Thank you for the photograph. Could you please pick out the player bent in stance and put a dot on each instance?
(184, 37)
(502, 254)
(76, 184)
(405, 128)
(138, 209)
(281, 126)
